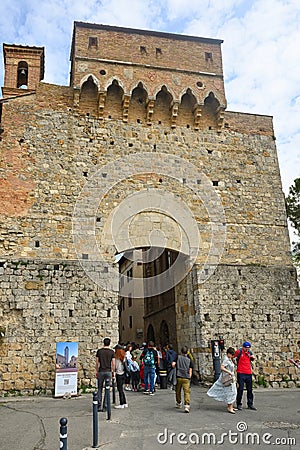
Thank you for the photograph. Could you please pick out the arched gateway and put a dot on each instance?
(138, 158)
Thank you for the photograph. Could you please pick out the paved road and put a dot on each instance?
(151, 423)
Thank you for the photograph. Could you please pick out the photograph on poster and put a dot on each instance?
(66, 357)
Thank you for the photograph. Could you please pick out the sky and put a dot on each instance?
(261, 57)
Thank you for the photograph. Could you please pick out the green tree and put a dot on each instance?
(293, 213)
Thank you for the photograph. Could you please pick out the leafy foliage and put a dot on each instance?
(293, 213)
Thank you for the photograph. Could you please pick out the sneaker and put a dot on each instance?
(186, 408)
(146, 392)
(125, 405)
(119, 406)
(128, 388)
(179, 405)
(252, 407)
(239, 407)
(152, 393)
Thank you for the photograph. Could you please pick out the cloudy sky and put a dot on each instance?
(261, 56)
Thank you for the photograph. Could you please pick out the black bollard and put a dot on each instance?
(107, 397)
(63, 434)
(216, 354)
(95, 420)
(113, 391)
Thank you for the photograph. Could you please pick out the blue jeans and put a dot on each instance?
(244, 378)
(149, 377)
(101, 378)
(172, 376)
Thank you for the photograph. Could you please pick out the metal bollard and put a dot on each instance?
(107, 397)
(215, 348)
(95, 420)
(63, 434)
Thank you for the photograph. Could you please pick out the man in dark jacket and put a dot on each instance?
(171, 357)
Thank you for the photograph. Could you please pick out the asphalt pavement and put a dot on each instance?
(150, 423)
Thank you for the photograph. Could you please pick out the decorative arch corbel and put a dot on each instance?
(150, 110)
(88, 98)
(207, 93)
(197, 115)
(163, 101)
(186, 110)
(214, 108)
(139, 83)
(191, 90)
(114, 100)
(110, 82)
(85, 79)
(159, 88)
(139, 97)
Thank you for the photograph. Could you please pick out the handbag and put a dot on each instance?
(227, 379)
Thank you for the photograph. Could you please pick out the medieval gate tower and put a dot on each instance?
(138, 156)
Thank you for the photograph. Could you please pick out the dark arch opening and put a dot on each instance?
(22, 77)
(88, 102)
(150, 333)
(186, 109)
(138, 104)
(164, 337)
(113, 104)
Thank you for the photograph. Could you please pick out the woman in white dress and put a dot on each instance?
(219, 391)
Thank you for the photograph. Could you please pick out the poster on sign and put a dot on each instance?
(66, 369)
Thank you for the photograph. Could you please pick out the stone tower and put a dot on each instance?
(138, 155)
(24, 69)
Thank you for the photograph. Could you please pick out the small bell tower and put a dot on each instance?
(23, 69)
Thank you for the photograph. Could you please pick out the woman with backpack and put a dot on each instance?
(135, 374)
(127, 364)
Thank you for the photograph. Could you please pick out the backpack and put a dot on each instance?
(133, 368)
(239, 355)
(126, 366)
(149, 358)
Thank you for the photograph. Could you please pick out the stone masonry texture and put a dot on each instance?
(135, 93)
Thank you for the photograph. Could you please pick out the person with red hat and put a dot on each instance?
(244, 357)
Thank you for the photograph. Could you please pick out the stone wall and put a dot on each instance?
(49, 156)
(256, 303)
(44, 302)
(65, 174)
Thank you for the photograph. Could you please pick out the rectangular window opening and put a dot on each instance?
(208, 56)
(93, 42)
